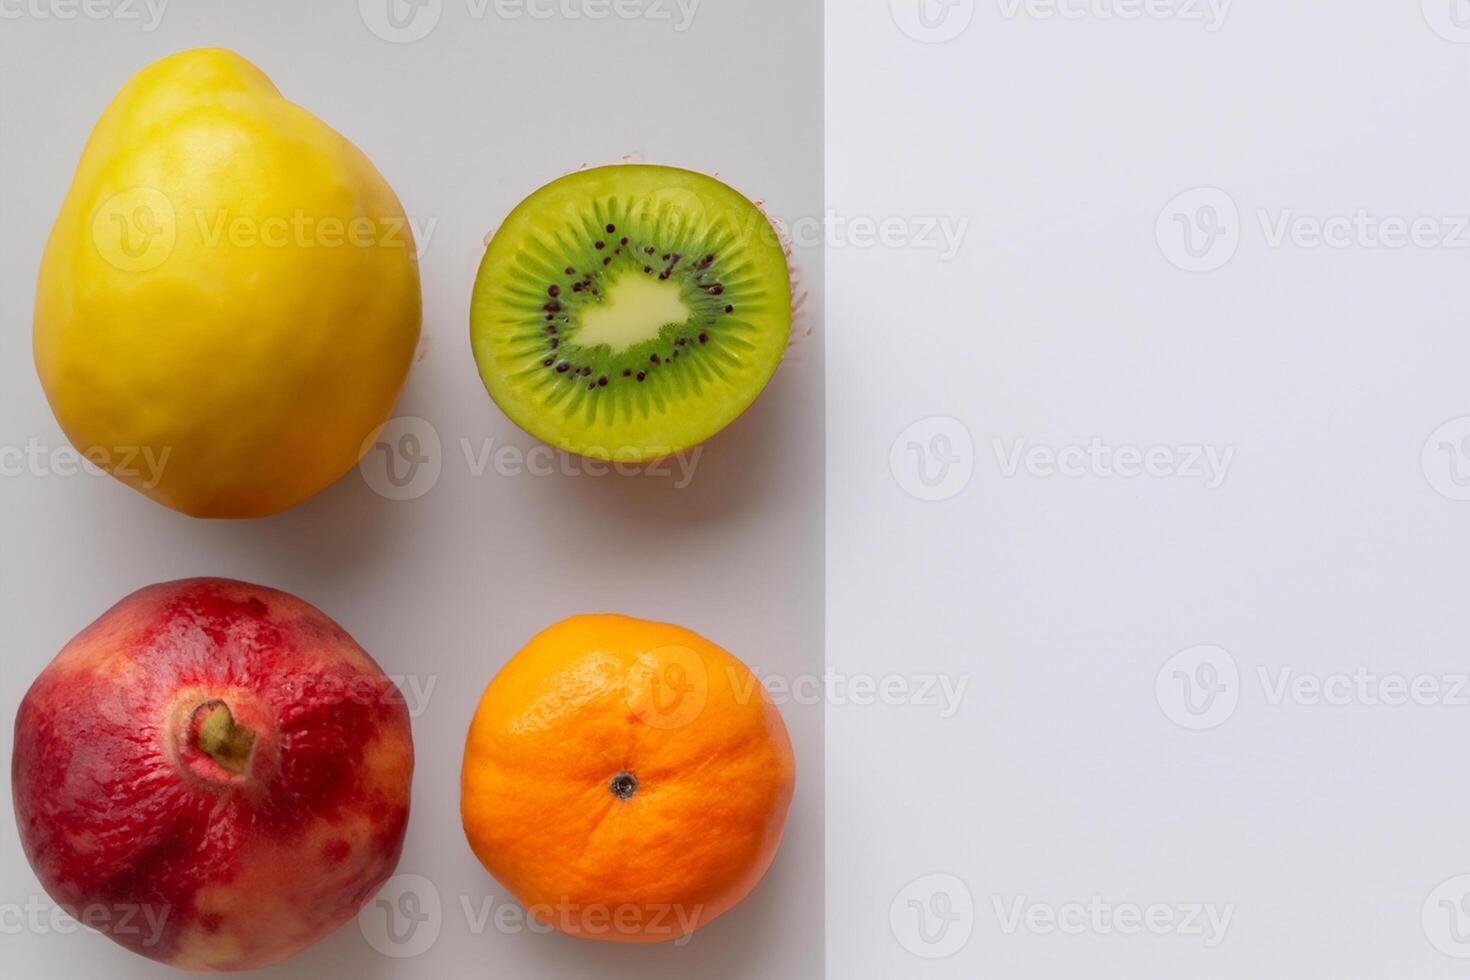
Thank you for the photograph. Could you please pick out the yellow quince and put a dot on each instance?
(231, 292)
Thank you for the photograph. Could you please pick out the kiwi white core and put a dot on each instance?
(633, 310)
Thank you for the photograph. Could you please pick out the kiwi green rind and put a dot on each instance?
(565, 249)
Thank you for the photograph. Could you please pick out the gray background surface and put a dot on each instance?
(442, 589)
(1332, 545)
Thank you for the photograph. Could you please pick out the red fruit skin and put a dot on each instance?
(127, 823)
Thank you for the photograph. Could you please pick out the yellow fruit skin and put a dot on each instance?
(229, 302)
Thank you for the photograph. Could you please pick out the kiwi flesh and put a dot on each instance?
(629, 312)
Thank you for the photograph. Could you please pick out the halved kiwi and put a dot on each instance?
(629, 312)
